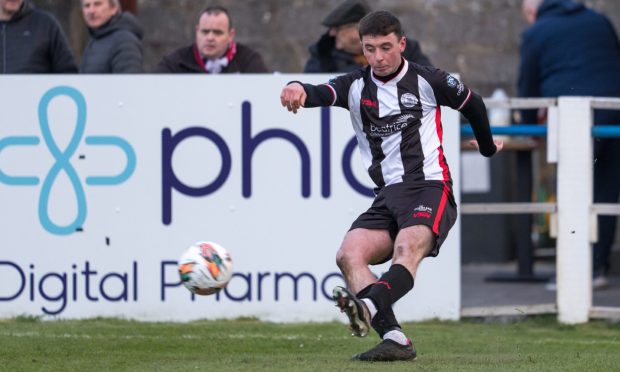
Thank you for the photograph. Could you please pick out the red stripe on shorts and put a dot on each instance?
(442, 206)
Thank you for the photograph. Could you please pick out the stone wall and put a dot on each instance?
(476, 38)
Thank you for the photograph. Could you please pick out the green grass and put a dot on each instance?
(536, 344)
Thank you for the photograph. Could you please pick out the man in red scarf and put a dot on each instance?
(215, 50)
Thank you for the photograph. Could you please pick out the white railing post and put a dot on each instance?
(574, 184)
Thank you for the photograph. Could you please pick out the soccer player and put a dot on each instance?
(394, 107)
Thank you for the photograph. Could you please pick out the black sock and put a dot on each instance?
(383, 321)
(392, 285)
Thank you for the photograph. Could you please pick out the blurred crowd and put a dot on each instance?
(33, 42)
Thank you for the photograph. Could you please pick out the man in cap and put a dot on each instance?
(340, 48)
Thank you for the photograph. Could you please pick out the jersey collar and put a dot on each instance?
(404, 67)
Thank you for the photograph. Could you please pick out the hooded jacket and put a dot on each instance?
(32, 41)
(570, 50)
(115, 47)
(324, 57)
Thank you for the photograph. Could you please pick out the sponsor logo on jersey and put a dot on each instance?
(401, 122)
(408, 100)
(404, 118)
(387, 130)
(460, 88)
(369, 103)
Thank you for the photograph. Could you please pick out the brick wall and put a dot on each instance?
(477, 38)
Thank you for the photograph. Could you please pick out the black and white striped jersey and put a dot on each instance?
(397, 122)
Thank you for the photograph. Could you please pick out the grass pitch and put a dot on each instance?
(249, 345)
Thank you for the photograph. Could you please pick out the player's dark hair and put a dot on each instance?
(380, 23)
(215, 10)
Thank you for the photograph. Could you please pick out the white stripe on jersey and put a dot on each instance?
(429, 138)
(355, 94)
(392, 166)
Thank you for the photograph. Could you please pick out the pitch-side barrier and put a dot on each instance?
(574, 215)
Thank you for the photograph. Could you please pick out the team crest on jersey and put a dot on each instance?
(452, 81)
(408, 100)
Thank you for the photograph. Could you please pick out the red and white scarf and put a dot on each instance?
(216, 65)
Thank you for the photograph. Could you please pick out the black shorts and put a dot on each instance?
(405, 204)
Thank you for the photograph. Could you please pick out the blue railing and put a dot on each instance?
(598, 131)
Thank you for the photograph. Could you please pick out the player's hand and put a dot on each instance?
(499, 144)
(293, 97)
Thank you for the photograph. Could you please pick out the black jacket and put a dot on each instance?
(183, 60)
(33, 42)
(570, 51)
(324, 57)
(115, 47)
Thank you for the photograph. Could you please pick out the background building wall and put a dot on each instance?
(477, 38)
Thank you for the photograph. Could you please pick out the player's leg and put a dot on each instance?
(360, 248)
(425, 223)
(425, 213)
(412, 245)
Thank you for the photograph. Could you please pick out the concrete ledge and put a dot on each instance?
(603, 312)
(511, 310)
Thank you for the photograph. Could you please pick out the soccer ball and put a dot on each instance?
(205, 268)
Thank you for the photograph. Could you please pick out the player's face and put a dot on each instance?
(347, 38)
(213, 35)
(9, 7)
(98, 12)
(383, 52)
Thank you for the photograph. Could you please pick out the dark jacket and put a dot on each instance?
(183, 60)
(115, 47)
(33, 42)
(569, 50)
(324, 57)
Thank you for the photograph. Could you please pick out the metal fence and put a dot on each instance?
(569, 133)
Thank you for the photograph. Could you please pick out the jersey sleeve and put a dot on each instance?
(340, 87)
(449, 91)
(333, 93)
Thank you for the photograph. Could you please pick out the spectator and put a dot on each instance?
(215, 50)
(340, 49)
(570, 50)
(31, 41)
(115, 44)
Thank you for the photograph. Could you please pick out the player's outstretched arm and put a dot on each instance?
(476, 112)
(293, 96)
(499, 145)
(297, 94)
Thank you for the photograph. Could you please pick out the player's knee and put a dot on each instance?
(345, 257)
(341, 259)
(413, 249)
